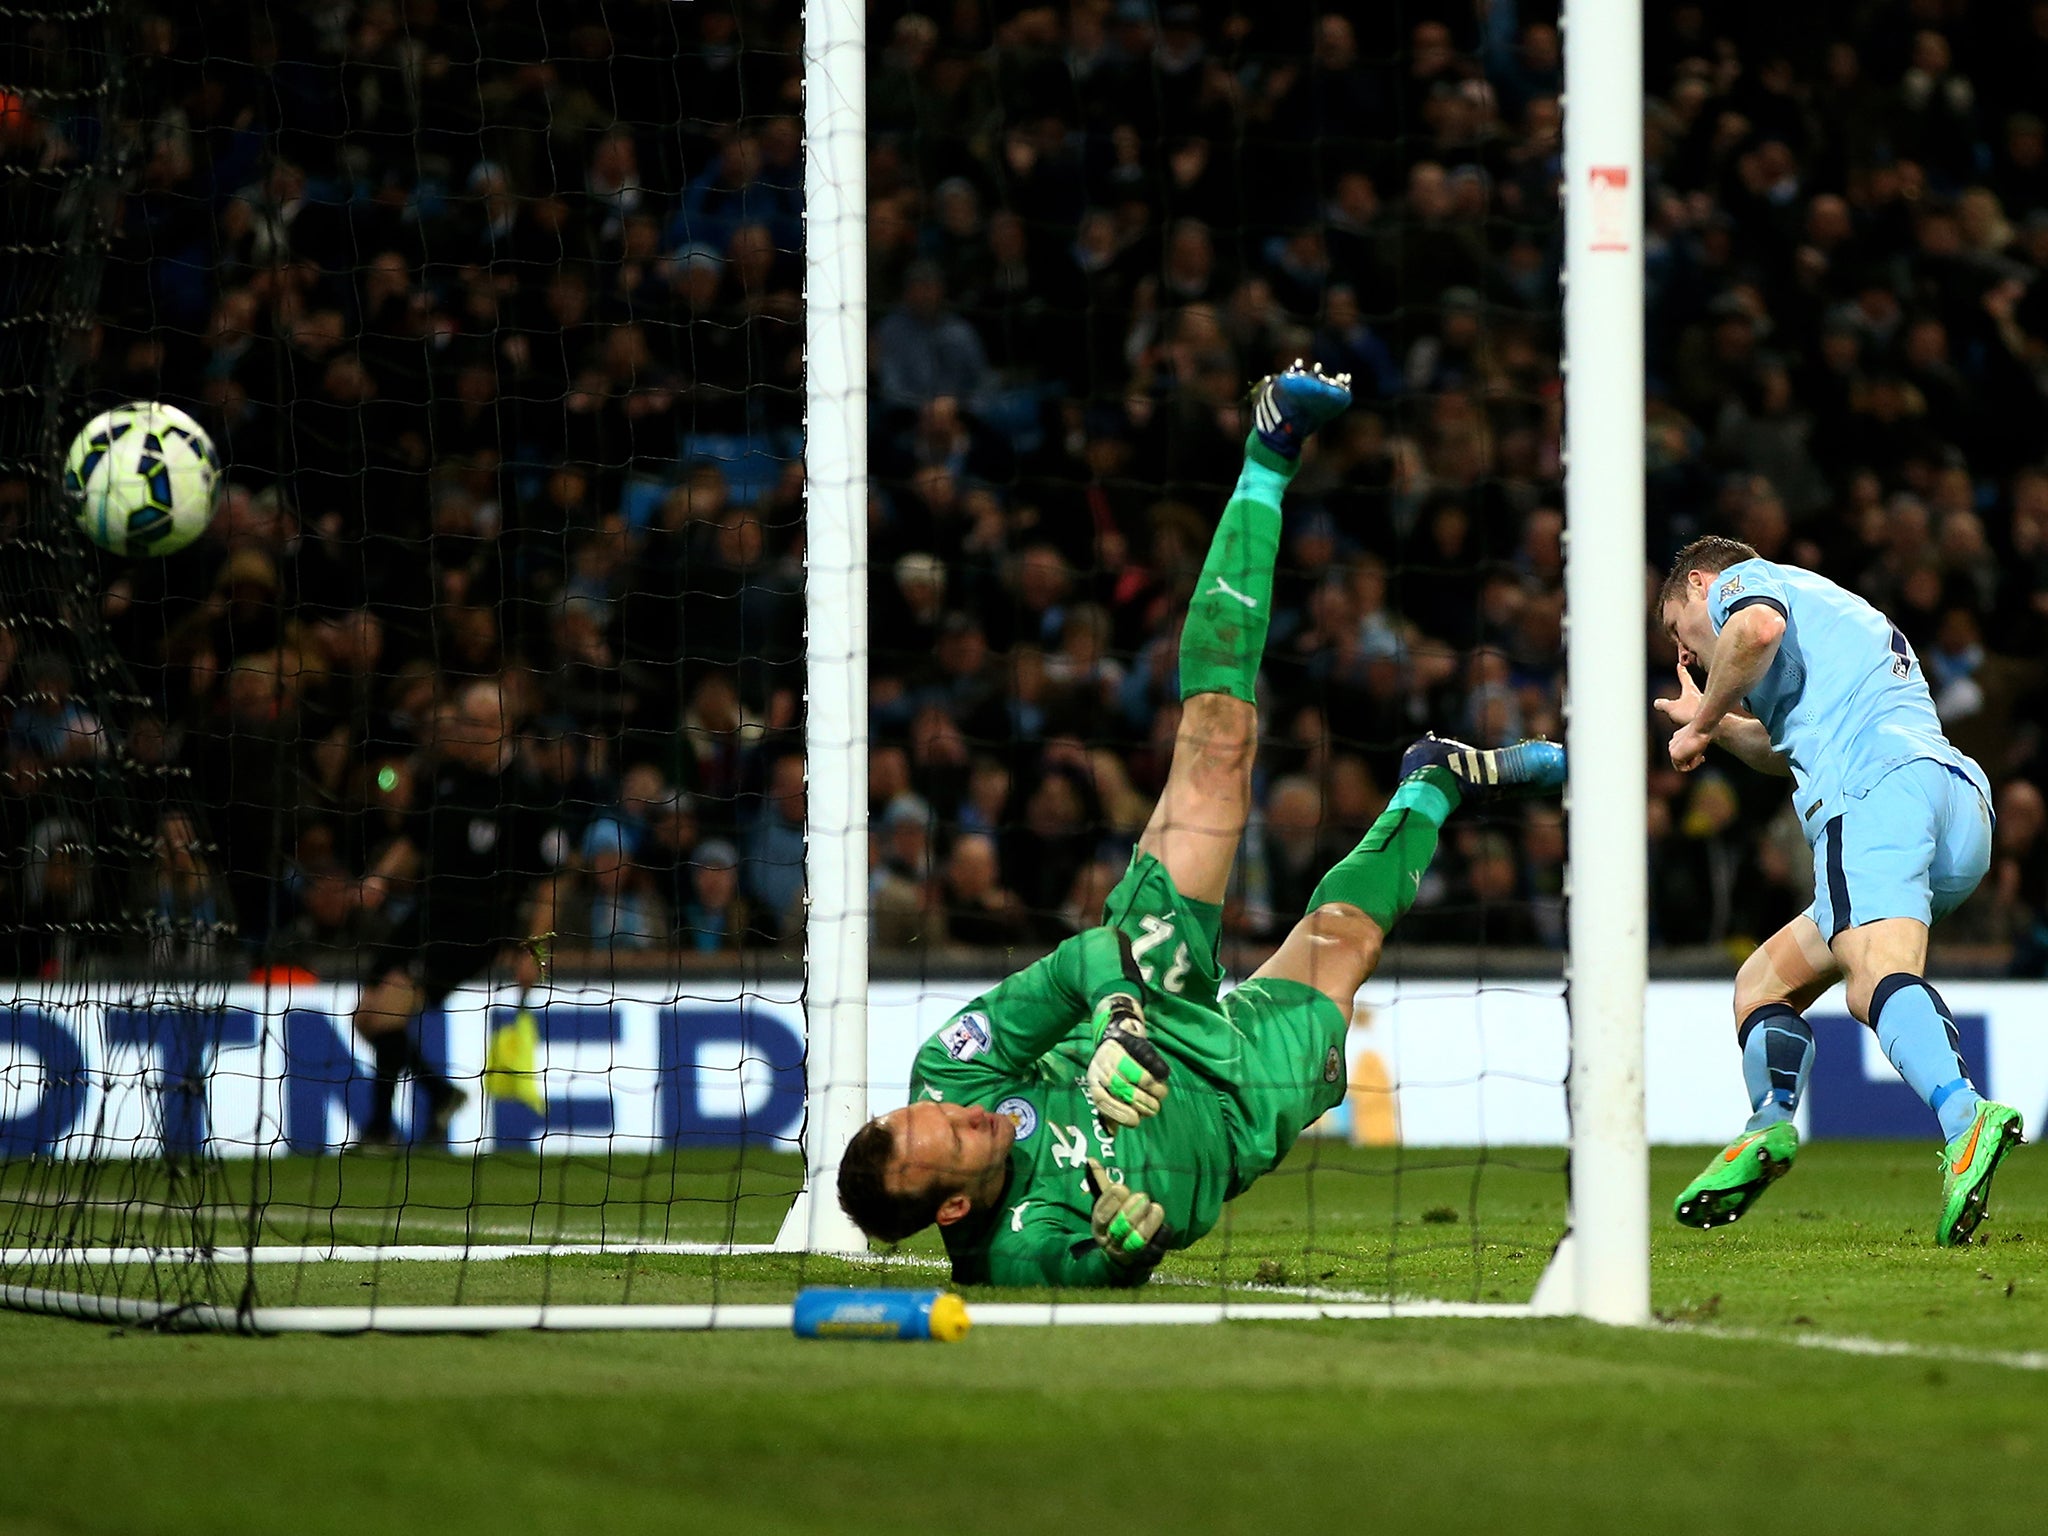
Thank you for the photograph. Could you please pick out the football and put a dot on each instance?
(143, 479)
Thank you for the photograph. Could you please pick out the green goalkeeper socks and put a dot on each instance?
(1382, 874)
(1225, 635)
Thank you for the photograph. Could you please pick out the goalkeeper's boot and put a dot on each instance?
(1287, 407)
(1967, 1164)
(1527, 768)
(1739, 1172)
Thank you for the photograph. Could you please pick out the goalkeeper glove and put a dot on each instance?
(1126, 1075)
(1129, 1225)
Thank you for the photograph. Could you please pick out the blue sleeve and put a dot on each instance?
(1743, 586)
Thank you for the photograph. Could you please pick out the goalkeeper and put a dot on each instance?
(1097, 1109)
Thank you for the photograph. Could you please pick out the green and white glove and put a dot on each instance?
(1129, 1225)
(1126, 1075)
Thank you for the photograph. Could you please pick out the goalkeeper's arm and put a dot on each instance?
(1008, 1028)
(1116, 1243)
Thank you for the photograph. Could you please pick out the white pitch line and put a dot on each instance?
(569, 1246)
(689, 1317)
(1851, 1344)
(581, 1244)
(525, 1239)
(234, 1215)
(368, 1253)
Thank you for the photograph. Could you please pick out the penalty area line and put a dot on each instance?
(1852, 1344)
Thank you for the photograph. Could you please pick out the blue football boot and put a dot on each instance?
(1287, 407)
(1527, 768)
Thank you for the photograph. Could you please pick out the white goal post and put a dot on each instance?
(1608, 1243)
(836, 616)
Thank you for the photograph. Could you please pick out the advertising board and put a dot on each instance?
(635, 1067)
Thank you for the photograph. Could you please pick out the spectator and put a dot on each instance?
(717, 917)
(623, 912)
(979, 911)
(332, 926)
(512, 410)
(50, 725)
(774, 875)
(900, 885)
(923, 351)
(1294, 849)
(2019, 874)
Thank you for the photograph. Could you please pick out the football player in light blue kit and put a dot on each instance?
(1807, 680)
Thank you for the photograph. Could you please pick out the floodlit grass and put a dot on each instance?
(1459, 1224)
(1408, 1426)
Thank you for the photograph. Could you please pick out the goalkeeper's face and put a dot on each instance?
(961, 1149)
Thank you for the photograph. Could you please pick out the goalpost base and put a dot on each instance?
(1557, 1291)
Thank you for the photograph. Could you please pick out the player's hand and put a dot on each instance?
(1129, 1225)
(1127, 1074)
(1681, 710)
(1689, 747)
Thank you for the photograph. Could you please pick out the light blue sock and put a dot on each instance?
(1918, 1034)
(1777, 1059)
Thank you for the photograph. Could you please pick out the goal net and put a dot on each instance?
(711, 492)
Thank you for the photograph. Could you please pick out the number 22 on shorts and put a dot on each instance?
(1158, 931)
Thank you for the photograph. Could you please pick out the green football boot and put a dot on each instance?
(1967, 1164)
(1744, 1169)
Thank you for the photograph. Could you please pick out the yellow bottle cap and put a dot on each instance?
(949, 1318)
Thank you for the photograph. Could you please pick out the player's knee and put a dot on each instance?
(1856, 992)
(372, 1018)
(1348, 929)
(1756, 984)
(1217, 714)
(1220, 733)
(383, 1008)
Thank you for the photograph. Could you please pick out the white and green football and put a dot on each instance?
(143, 479)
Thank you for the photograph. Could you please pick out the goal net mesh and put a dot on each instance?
(410, 873)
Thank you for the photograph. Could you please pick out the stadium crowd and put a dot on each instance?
(495, 314)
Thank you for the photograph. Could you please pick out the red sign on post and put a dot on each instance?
(1610, 207)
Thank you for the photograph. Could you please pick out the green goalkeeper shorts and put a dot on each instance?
(1273, 1049)
(1174, 938)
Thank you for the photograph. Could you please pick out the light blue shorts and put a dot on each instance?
(1915, 845)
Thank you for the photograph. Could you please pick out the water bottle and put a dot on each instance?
(836, 1312)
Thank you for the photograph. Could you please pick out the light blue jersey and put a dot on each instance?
(1845, 698)
(1900, 821)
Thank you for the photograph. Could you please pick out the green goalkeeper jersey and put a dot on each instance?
(1022, 1049)
(1250, 1072)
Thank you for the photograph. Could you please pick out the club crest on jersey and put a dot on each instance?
(966, 1037)
(1022, 1116)
(1731, 586)
(1333, 1065)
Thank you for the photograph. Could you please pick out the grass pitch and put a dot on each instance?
(1741, 1409)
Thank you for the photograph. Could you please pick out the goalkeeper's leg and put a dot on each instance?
(1194, 830)
(1336, 946)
